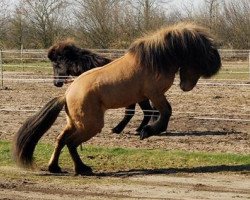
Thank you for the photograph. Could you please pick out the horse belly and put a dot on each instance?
(120, 96)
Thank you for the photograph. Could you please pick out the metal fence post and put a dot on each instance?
(1, 68)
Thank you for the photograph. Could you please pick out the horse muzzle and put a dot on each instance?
(187, 86)
(58, 83)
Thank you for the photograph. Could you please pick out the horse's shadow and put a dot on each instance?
(198, 133)
(168, 171)
(202, 169)
(165, 171)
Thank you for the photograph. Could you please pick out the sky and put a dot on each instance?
(179, 4)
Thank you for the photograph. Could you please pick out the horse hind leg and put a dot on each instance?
(80, 167)
(74, 141)
(129, 113)
(87, 123)
(61, 141)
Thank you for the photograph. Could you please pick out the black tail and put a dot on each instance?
(33, 129)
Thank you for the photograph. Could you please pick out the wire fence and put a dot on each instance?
(235, 66)
(19, 65)
(230, 55)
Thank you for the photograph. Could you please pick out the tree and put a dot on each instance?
(97, 21)
(228, 20)
(212, 11)
(236, 22)
(4, 16)
(17, 29)
(46, 20)
(151, 14)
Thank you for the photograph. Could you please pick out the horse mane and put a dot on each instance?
(177, 46)
(79, 58)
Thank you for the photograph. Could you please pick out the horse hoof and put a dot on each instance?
(116, 130)
(55, 169)
(84, 171)
(138, 130)
(143, 135)
(146, 132)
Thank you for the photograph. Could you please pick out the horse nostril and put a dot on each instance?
(58, 83)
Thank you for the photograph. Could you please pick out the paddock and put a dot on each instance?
(213, 117)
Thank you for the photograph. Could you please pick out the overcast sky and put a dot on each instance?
(181, 4)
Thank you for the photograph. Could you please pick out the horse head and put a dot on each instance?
(70, 60)
(61, 73)
(64, 58)
(204, 66)
(201, 60)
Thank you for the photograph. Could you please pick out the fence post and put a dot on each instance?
(249, 63)
(22, 57)
(1, 68)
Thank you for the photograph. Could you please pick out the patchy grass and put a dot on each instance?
(237, 72)
(121, 159)
(36, 66)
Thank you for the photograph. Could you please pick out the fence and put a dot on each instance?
(234, 61)
(235, 73)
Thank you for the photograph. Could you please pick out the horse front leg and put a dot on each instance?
(155, 114)
(129, 113)
(165, 109)
(147, 112)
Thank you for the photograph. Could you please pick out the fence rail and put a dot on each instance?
(235, 62)
(111, 53)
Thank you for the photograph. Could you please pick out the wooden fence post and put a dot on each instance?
(1, 68)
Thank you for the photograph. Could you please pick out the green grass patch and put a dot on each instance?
(238, 71)
(118, 159)
(239, 76)
(36, 66)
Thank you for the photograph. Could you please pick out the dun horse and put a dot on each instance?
(70, 60)
(146, 71)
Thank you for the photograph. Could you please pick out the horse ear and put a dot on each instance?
(52, 54)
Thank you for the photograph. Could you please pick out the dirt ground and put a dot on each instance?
(130, 186)
(210, 118)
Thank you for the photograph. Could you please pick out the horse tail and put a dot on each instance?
(33, 129)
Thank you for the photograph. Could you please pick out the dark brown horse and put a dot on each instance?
(147, 71)
(69, 60)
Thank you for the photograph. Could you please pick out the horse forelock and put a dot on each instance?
(56, 51)
(180, 45)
